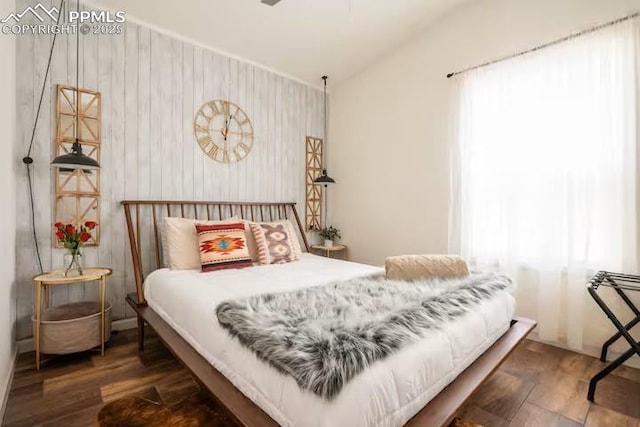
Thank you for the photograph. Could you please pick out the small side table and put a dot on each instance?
(56, 278)
(327, 250)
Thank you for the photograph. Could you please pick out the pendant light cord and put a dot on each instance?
(78, 74)
(44, 83)
(33, 221)
(324, 152)
(27, 160)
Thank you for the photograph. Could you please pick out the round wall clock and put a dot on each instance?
(223, 130)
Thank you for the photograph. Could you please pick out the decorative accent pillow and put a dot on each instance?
(297, 250)
(275, 242)
(223, 246)
(181, 241)
(417, 267)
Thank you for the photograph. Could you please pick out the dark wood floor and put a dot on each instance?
(539, 386)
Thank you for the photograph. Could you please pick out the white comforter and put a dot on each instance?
(389, 393)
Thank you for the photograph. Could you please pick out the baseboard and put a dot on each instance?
(125, 324)
(5, 387)
(634, 362)
(26, 345)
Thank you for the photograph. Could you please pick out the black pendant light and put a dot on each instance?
(76, 159)
(324, 179)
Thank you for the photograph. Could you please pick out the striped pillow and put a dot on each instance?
(275, 242)
(223, 246)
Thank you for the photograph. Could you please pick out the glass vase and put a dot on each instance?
(72, 263)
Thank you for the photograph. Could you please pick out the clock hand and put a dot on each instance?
(226, 127)
(224, 130)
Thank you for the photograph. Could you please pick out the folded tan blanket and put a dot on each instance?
(414, 267)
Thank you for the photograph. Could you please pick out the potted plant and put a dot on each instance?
(329, 235)
(72, 239)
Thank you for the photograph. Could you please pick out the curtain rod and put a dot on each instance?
(546, 45)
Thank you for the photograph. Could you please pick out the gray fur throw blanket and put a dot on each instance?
(326, 335)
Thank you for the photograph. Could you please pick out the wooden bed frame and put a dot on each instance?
(144, 218)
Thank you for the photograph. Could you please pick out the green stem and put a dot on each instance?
(74, 257)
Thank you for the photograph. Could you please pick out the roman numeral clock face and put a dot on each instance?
(224, 132)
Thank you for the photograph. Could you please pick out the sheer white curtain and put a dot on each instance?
(545, 175)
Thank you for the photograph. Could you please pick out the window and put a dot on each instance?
(546, 171)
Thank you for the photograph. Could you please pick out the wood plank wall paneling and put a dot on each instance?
(151, 87)
(89, 77)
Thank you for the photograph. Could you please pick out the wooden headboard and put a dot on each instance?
(144, 218)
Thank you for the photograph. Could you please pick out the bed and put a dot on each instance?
(422, 384)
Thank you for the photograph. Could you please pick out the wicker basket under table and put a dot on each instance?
(72, 327)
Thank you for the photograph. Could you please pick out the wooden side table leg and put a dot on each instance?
(103, 286)
(140, 333)
(47, 296)
(38, 302)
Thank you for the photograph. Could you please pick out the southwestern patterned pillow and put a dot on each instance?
(275, 242)
(223, 246)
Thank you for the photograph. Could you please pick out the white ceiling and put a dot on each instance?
(300, 38)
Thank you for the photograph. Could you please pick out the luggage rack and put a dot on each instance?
(620, 283)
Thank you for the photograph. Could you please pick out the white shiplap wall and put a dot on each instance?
(151, 87)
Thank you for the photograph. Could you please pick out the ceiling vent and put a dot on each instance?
(271, 2)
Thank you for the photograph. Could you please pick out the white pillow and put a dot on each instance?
(181, 238)
(251, 241)
(164, 244)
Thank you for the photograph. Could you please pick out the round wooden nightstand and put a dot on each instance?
(66, 314)
(327, 250)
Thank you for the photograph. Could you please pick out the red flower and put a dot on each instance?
(90, 224)
(84, 237)
(59, 225)
(71, 229)
(60, 235)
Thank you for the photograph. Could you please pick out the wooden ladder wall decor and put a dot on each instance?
(77, 197)
(313, 204)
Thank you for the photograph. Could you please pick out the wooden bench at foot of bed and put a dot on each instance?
(438, 413)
